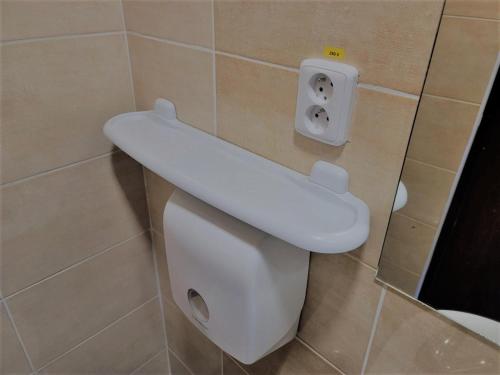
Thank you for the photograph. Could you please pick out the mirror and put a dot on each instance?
(442, 245)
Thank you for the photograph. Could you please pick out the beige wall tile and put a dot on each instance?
(411, 339)
(56, 96)
(397, 277)
(473, 8)
(463, 59)
(119, 349)
(181, 21)
(161, 261)
(80, 301)
(294, 358)
(54, 220)
(391, 49)
(156, 366)
(181, 75)
(31, 19)
(12, 358)
(158, 191)
(407, 243)
(256, 110)
(230, 367)
(176, 366)
(339, 309)
(428, 190)
(189, 344)
(441, 131)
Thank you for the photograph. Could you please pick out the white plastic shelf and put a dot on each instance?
(311, 213)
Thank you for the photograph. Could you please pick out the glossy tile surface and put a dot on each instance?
(80, 301)
(56, 96)
(473, 8)
(55, 220)
(119, 349)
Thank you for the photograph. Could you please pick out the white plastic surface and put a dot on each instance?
(325, 99)
(268, 196)
(483, 326)
(401, 197)
(252, 284)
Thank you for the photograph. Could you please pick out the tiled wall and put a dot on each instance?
(231, 69)
(78, 290)
(460, 69)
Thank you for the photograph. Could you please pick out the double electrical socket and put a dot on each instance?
(325, 100)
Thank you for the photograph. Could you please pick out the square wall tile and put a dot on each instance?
(190, 345)
(119, 349)
(473, 8)
(391, 49)
(12, 357)
(441, 131)
(158, 191)
(56, 95)
(292, 359)
(179, 74)
(42, 18)
(397, 277)
(463, 59)
(57, 219)
(181, 21)
(256, 111)
(176, 366)
(158, 365)
(80, 301)
(428, 191)
(339, 310)
(412, 339)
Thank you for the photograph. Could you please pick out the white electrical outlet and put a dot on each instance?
(327, 90)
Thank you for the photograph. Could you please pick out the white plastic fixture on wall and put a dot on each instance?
(325, 99)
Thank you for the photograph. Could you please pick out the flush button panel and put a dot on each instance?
(325, 99)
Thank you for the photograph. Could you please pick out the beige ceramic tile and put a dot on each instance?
(397, 277)
(158, 191)
(229, 366)
(411, 339)
(57, 219)
(473, 8)
(441, 131)
(56, 95)
(463, 59)
(176, 366)
(80, 301)
(256, 110)
(161, 262)
(119, 349)
(189, 344)
(392, 48)
(156, 366)
(428, 191)
(339, 310)
(181, 75)
(408, 243)
(292, 359)
(181, 21)
(23, 19)
(12, 358)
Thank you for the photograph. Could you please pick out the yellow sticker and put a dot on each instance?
(334, 52)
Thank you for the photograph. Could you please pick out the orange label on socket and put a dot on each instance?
(334, 53)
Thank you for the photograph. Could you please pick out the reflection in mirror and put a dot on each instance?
(443, 246)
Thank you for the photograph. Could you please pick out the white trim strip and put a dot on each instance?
(374, 329)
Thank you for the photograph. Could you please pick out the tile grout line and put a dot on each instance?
(374, 329)
(221, 362)
(431, 165)
(367, 86)
(471, 18)
(57, 169)
(151, 359)
(318, 354)
(238, 365)
(18, 335)
(451, 99)
(112, 324)
(214, 72)
(59, 37)
(74, 265)
(358, 260)
(131, 76)
(180, 360)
